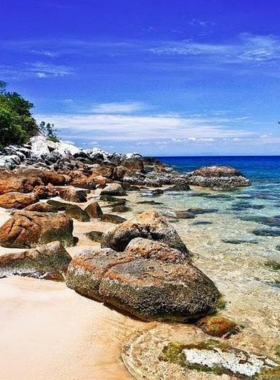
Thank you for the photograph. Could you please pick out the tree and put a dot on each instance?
(48, 130)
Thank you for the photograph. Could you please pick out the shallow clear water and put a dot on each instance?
(246, 221)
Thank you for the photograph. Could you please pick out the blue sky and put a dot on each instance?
(159, 77)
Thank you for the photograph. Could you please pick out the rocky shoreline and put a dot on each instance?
(140, 266)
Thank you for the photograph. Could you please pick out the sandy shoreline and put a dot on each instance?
(50, 332)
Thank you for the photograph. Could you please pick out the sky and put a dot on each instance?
(159, 77)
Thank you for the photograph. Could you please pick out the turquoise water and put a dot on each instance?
(244, 220)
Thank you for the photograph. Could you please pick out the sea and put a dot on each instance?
(247, 219)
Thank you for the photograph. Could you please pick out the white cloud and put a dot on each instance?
(135, 128)
(44, 70)
(117, 108)
(246, 48)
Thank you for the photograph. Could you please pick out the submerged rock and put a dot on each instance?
(272, 232)
(48, 262)
(26, 229)
(220, 359)
(150, 225)
(217, 326)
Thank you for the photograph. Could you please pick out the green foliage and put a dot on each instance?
(16, 122)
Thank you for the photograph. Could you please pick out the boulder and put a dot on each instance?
(150, 225)
(26, 229)
(94, 210)
(87, 269)
(113, 189)
(71, 194)
(17, 200)
(77, 213)
(150, 289)
(48, 261)
(150, 249)
(217, 178)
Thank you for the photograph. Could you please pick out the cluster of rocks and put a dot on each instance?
(88, 168)
(143, 267)
(217, 178)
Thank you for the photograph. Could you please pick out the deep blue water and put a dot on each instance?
(259, 169)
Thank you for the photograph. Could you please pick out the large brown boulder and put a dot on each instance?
(71, 194)
(86, 270)
(146, 288)
(150, 249)
(17, 200)
(151, 289)
(48, 262)
(26, 229)
(149, 225)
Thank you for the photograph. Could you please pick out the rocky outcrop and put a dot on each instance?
(26, 229)
(149, 225)
(17, 200)
(48, 262)
(217, 178)
(71, 194)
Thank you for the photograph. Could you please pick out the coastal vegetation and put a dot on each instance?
(17, 125)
